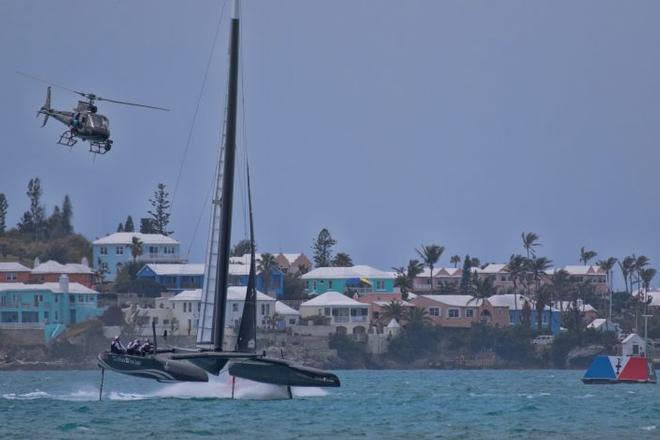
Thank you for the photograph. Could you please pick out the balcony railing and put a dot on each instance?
(21, 325)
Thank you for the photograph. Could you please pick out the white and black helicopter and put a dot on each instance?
(84, 122)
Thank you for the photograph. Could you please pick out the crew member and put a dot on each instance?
(116, 346)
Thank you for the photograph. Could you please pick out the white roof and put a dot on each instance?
(53, 287)
(245, 258)
(393, 324)
(632, 336)
(441, 272)
(400, 302)
(568, 305)
(127, 238)
(13, 267)
(332, 298)
(654, 294)
(494, 268)
(188, 295)
(508, 300)
(177, 269)
(454, 300)
(234, 293)
(584, 270)
(360, 271)
(597, 323)
(51, 266)
(283, 309)
(291, 258)
(237, 293)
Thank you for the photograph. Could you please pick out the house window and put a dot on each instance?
(11, 276)
(454, 313)
(292, 321)
(234, 307)
(380, 285)
(327, 311)
(434, 311)
(46, 316)
(155, 320)
(103, 250)
(120, 250)
(184, 307)
(469, 313)
(162, 305)
(265, 309)
(376, 315)
(57, 315)
(72, 298)
(314, 284)
(329, 284)
(168, 250)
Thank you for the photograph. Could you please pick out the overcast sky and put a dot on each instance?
(391, 123)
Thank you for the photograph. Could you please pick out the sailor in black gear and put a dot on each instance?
(116, 346)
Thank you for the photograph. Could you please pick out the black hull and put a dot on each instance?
(281, 372)
(156, 367)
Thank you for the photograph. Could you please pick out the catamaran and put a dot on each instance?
(214, 353)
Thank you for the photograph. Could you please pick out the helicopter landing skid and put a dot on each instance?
(67, 139)
(100, 147)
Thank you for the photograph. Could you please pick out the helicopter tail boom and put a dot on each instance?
(45, 108)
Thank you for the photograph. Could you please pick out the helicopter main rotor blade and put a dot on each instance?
(98, 98)
(51, 84)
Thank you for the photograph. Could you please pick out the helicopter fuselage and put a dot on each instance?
(85, 125)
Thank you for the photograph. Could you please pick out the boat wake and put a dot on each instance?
(216, 388)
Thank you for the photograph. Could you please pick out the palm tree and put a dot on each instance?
(586, 255)
(543, 298)
(455, 260)
(607, 266)
(561, 284)
(530, 241)
(417, 317)
(430, 255)
(627, 266)
(267, 264)
(392, 310)
(647, 276)
(516, 267)
(405, 276)
(481, 289)
(640, 264)
(137, 248)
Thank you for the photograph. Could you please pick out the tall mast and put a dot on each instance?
(227, 186)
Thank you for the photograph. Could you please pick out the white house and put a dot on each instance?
(114, 250)
(286, 315)
(633, 345)
(345, 313)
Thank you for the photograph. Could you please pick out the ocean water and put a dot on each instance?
(421, 404)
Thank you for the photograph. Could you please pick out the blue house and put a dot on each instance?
(114, 250)
(50, 307)
(360, 279)
(551, 317)
(178, 277)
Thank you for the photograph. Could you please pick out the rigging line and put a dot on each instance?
(207, 203)
(199, 100)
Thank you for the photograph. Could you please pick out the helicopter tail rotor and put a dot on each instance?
(45, 108)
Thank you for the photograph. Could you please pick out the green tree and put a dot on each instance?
(392, 310)
(102, 270)
(466, 276)
(55, 227)
(455, 260)
(561, 285)
(137, 248)
(322, 247)
(530, 241)
(160, 214)
(120, 227)
(3, 213)
(417, 317)
(405, 276)
(267, 265)
(526, 315)
(587, 255)
(294, 286)
(482, 288)
(147, 226)
(128, 224)
(342, 259)
(67, 216)
(608, 266)
(33, 221)
(627, 266)
(241, 248)
(430, 254)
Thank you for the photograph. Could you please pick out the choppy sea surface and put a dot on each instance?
(421, 404)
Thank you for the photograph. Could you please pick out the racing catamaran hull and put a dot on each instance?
(158, 367)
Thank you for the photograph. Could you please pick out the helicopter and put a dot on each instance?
(84, 122)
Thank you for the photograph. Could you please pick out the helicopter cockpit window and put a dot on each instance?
(98, 121)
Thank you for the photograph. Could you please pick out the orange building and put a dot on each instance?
(459, 310)
(50, 272)
(14, 272)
